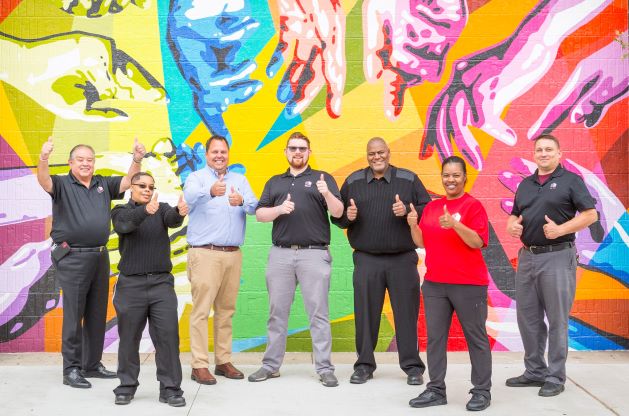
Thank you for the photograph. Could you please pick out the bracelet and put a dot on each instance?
(137, 161)
(42, 159)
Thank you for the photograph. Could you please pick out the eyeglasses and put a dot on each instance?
(293, 149)
(144, 186)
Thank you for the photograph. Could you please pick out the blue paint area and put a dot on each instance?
(249, 343)
(214, 50)
(282, 124)
(583, 338)
(611, 256)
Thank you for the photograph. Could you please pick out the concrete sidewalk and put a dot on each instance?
(598, 384)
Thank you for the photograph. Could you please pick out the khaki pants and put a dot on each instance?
(215, 278)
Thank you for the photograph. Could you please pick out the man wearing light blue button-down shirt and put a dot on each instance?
(219, 200)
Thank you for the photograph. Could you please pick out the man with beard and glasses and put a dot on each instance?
(298, 202)
(219, 200)
(377, 201)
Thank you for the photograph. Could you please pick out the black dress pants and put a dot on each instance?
(374, 274)
(84, 279)
(136, 299)
(470, 304)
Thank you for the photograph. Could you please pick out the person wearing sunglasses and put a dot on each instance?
(145, 290)
(220, 199)
(298, 202)
(81, 209)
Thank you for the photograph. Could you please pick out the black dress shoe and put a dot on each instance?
(123, 398)
(550, 389)
(174, 401)
(478, 402)
(428, 398)
(360, 376)
(76, 380)
(415, 380)
(522, 381)
(99, 372)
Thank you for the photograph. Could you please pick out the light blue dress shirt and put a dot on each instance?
(212, 220)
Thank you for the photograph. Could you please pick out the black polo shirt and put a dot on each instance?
(308, 224)
(80, 215)
(377, 230)
(560, 197)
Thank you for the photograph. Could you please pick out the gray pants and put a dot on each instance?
(545, 283)
(310, 268)
(470, 304)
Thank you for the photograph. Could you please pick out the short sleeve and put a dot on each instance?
(477, 220)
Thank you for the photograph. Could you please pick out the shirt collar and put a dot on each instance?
(387, 174)
(93, 181)
(287, 174)
(559, 170)
(215, 173)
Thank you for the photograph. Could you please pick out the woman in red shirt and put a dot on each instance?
(453, 229)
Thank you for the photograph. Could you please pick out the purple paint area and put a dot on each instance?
(10, 159)
(30, 341)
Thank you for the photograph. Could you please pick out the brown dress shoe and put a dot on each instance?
(203, 376)
(228, 370)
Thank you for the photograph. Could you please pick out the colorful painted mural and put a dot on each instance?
(477, 78)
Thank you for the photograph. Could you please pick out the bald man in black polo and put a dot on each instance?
(81, 208)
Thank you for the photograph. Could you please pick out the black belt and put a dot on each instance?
(88, 249)
(217, 248)
(549, 248)
(298, 247)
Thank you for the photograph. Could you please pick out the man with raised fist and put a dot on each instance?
(219, 200)
(377, 201)
(146, 289)
(81, 209)
(298, 202)
(543, 218)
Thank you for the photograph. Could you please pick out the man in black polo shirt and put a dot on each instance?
(145, 290)
(543, 218)
(81, 205)
(298, 202)
(376, 203)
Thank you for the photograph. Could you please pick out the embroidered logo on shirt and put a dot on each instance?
(456, 216)
(553, 185)
(307, 184)
(100, 189)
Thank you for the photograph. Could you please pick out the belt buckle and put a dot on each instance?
(532, 249)
(294, 247)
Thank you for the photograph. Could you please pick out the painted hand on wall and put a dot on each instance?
(406, 42)
(77, 75)
(317, 29)
(485, 83)
(610, 209)
(206, 40)
(97, 8)
(598, 82)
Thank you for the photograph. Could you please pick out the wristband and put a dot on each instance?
(138, 161)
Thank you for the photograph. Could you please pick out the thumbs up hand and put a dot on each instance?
(398, 207)
(412, 217)
(182, 206)
(138, 151)
(446, 220)
(287, 206)
(515, 228)
(551, 229)
(153, 205)
(46, 149)
(219, 188)
(352, 210)
(235, 199)
(322, 186)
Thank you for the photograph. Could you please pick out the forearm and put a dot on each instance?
(127, 220)
(136, 166)
(267, 214)
(172, 217)
(335, 206)
(579, 222)
(418, 236)
(469, 236)
(43, 175)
